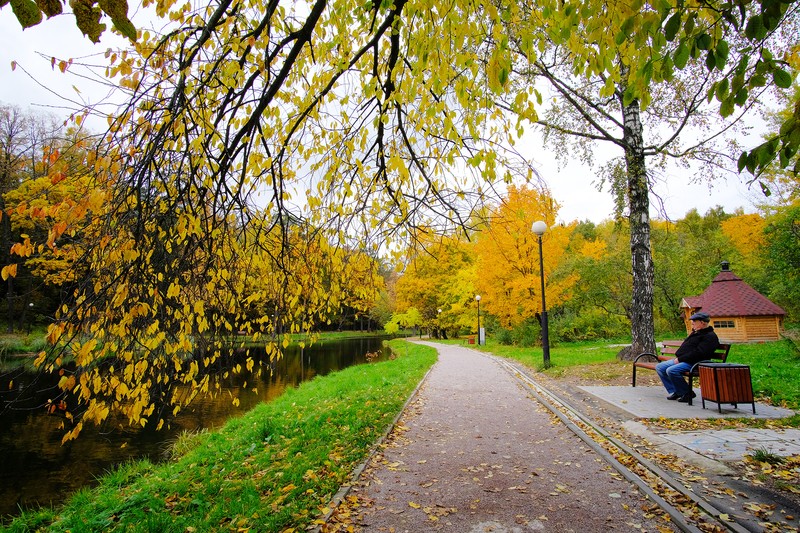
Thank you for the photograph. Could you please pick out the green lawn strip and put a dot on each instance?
(274, 468)
(19, 350)
(297, 338)
(32, 341)
(563, 355)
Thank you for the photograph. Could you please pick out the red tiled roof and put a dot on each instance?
(728, 295)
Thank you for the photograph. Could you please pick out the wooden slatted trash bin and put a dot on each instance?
(726, 383)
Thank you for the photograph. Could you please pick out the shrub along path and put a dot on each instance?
(474, 452)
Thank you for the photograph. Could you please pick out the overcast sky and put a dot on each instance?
(59, 37)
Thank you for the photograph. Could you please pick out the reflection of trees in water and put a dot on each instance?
(36, 468)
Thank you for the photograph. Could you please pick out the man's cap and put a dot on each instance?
(700, 316)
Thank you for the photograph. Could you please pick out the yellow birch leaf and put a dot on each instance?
(9, 271)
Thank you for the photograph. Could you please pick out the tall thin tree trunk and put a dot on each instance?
(5, 247)
(641, 312)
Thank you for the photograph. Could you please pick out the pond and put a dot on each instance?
(36, 469)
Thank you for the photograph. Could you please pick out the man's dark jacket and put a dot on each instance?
(698, 346)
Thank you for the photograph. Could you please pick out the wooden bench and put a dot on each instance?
(650, 360)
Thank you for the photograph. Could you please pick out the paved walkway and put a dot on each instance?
(719, 445)
(475, 453)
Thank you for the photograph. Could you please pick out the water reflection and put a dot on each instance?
(37, 469)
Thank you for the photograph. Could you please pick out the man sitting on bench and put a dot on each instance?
(698, 346)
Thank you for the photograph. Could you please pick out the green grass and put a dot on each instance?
(562, 356)
(333, 335)
(20, 343)
(321, 337)
(774, 368)
(763, 455)
(19, 349)
(274, 468)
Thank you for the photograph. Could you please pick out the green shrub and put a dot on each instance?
(504, 337)
(527, 335)
(592, 324)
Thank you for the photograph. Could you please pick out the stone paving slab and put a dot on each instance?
(651, 402)
(734, 444)
(720, 445)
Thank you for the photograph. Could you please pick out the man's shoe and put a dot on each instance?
(673, 396)
(686, 398)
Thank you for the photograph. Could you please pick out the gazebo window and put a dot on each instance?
(721, 324)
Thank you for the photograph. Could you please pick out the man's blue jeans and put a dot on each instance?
(670, 374)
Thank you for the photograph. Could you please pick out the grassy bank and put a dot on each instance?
(273, 469)
(18, 349)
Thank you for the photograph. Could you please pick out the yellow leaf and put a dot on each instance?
(414, 505)
(9, 271)
(173, 290)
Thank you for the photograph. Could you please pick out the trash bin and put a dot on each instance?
(726, 383)
(471, 340)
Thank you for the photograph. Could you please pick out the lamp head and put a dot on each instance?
(477, 297)
(539, 227)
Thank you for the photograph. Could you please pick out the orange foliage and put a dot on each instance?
(508, 257)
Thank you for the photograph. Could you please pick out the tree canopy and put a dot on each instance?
(299, 140)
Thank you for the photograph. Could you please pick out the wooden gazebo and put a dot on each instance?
(739, 313)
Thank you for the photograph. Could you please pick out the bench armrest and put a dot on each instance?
(646, 354)
(694, 369)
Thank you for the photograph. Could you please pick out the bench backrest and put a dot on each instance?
(720, 354)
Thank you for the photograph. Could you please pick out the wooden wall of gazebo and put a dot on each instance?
(742, 328)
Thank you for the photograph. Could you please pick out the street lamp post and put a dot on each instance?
(539, 228)
(478, 299)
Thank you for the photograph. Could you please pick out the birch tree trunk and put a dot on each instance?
(641, 310)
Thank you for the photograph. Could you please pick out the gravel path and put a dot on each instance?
(475, 453)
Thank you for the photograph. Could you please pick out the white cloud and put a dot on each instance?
(573, 186)
(44, 85)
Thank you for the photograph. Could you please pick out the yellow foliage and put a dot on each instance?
(508, 257)
(180, 259)
(593, 249)
(85, 352)
(67, 383)
(439, 276)
(746, 232)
